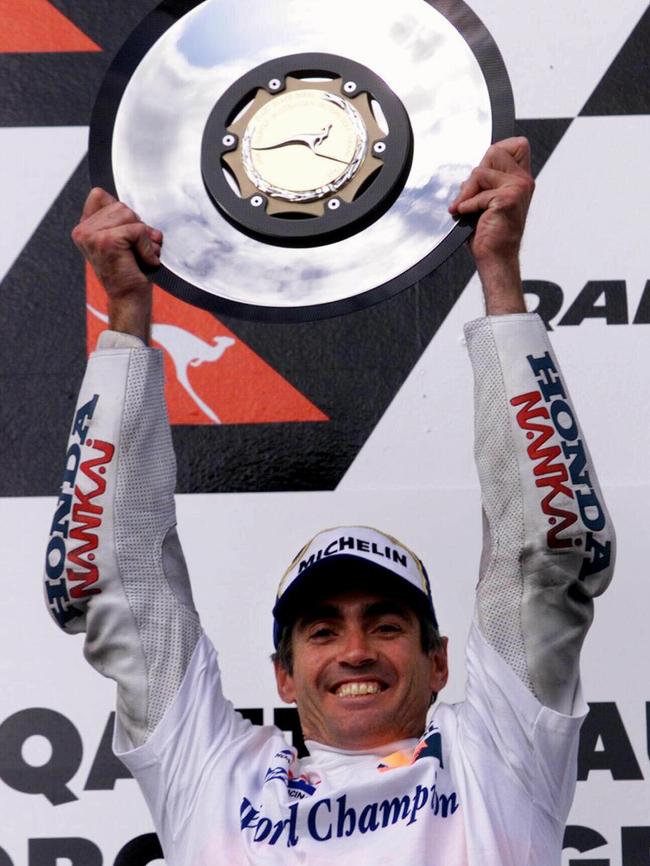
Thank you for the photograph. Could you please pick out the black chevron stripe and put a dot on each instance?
(625, 87)
(54, 89)
(544, 135)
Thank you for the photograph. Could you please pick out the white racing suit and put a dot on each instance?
(491, 780)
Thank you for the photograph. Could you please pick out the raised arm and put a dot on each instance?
(117, 243)
(114, 567)
(548, 546)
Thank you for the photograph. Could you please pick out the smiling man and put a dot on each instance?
(358, 648)
(393, 776)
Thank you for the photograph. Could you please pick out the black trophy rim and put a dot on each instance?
(165, 15)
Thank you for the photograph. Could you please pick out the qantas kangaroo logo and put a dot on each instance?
(186, 350)
(212, 377)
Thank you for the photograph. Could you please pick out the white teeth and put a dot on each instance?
(350, 689)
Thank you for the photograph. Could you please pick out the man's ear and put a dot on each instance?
(284, 682)
(439, 667)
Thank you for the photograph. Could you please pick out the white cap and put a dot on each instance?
(361, 544)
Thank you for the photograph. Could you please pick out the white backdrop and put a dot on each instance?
(414, 476)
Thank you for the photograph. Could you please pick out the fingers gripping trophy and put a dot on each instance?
(392, 773)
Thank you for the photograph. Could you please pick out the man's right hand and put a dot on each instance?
(116, 243)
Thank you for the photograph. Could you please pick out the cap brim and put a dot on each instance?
(339, 574)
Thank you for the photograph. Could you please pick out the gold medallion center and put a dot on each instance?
(304, 146)
(303, 141)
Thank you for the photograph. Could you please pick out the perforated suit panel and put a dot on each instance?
(500, 589)
(144, 514)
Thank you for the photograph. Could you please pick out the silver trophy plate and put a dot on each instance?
(299, 157)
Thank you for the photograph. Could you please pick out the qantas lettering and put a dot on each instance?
(598, 299)
(349, 543)
(570, 493)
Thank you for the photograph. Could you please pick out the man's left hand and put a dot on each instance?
(501, 186)
(500, 189)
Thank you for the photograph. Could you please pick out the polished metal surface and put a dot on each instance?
(156, 152)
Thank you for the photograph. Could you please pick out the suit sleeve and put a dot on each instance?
(548, 541)
(114, 565)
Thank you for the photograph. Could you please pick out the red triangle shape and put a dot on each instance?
(35, 26)
(211, 376)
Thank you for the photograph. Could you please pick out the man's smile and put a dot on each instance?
(358, 687)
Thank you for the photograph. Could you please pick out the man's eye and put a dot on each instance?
(322, 632)
(389, 628)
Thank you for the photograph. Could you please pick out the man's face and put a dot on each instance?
(360, 678)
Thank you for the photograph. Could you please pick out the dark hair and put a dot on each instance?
(430, 641)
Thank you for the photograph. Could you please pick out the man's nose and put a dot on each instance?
(357, 648)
